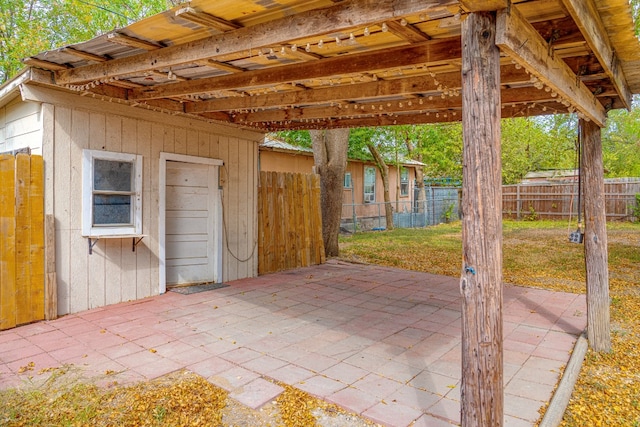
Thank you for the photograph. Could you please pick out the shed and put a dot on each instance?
(319, 64)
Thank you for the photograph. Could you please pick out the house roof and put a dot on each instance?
(301, 64)
(279, 145)
(552, 174)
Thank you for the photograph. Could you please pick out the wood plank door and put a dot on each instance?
(191, 211)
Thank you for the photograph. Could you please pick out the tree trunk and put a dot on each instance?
(595, 239)
(482, 399)
(384, 172)
(330, 157)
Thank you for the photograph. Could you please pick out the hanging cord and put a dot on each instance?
(226, 233)
(577, 236)
(579, 162)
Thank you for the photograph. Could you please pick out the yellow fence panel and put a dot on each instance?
(289, 222)
(21, 240)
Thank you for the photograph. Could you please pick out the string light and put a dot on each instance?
(384, 27)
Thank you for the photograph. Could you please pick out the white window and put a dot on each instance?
(369, 184)
(404, 181)
(347, 180)
(111, 194)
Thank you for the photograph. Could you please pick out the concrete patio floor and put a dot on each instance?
(377, 341)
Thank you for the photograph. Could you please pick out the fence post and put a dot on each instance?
(518, 202)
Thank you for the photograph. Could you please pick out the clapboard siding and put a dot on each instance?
(21, 126)
(113, 273)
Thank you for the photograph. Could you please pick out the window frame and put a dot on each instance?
(89, 229)
(404, 183)
(348, 183)
(372, 194)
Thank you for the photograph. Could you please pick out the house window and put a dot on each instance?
(369, 184)
(404, 181)
(347, 180)
(111, 193)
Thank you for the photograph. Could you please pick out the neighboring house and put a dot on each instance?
(141, 199)
(363, 190)
(551, 176)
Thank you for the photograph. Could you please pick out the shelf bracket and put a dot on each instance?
(135, 242)
(92, 243)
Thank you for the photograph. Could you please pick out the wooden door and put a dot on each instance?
(190, 214)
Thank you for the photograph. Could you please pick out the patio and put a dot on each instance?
(378, 341)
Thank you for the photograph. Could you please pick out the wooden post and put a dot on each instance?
(481, 282)
(595, 238)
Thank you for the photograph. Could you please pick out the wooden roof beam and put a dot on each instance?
(518, 39)
(344, 16)
(484, 5)
(83, 55)
(433, 51)
(407, 31)
(418, 118)
(47, 65)
(125, 40)
(587, 18)
(509, 96)
(357, 91)
(205, 19)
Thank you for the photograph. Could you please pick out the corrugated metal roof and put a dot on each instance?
(292, 64)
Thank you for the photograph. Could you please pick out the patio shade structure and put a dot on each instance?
(321, 64)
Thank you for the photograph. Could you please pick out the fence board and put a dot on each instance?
(36, 253)
(21, 240)
(559, 201)
(7, 243)
(290, 232)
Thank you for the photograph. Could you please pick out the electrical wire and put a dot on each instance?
(226, 233)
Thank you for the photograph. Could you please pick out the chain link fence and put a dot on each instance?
(427, 206)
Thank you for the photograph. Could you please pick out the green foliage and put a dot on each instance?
(532, 215)
(448, 213)
(621, 143)
(537, 143)
(636, 209)
(28, 27)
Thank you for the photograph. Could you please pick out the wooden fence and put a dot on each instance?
(560, 201)
(289, 222)
(22, 266)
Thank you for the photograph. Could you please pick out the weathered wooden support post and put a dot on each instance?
(595, 238)
(481, 281)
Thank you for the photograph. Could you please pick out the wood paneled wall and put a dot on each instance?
(113, 273)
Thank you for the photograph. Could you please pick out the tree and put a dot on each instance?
(330, 158)
(28, 27)
(621, 142)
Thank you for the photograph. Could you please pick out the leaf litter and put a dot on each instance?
(537, 254)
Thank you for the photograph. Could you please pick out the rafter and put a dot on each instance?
(432, 52)
(344, 16)
(518, 39)
(509, 96)
(84, 55)
(353, 92)
(125, 40)
(35, 62)
(584, 13)
(407, 31)
(205, 19)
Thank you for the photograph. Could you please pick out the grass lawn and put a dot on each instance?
(539, 254)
